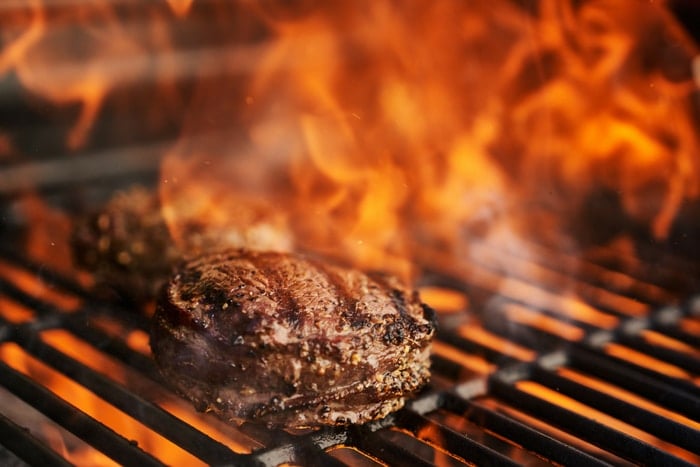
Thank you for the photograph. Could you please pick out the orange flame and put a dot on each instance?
(495, 342)
(561, 400)
(36, 287)
(657, 338)
(180, 7)
(691, 326)
(120, 422)
(623, 394)
(379, 134)
(651, 363)
(444, 300)
(366, 133)
(474, 363)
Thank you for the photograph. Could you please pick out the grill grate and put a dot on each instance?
(545, 377)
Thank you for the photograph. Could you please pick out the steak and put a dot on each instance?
(290, 341)
(128, 247)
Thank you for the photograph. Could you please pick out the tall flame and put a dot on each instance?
(372, 131)
(381, 128)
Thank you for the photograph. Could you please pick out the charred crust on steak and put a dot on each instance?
(290, 341)
(127, 243)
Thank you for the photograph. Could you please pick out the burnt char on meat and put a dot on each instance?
(289, 341)
(128, 246)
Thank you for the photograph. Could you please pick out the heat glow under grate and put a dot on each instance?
(604, 376)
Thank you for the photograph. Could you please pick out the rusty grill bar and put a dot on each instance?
(605, 394)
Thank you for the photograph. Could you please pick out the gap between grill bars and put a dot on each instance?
(516, 388)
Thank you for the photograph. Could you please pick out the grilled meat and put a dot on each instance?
(290, 341)
(128, 246)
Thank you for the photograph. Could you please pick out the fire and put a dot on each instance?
(36, 287)
(397, 136)
(444, 300)
(180, 7)
(627, 396)
(662, 340)
(561, 400)
(691, 326)
(15, 313)
(381, 137)
(474, 363)
(534, 318)
(364, 132)
(430, 434)
(505, 346)
(85, 401)
(651, 363)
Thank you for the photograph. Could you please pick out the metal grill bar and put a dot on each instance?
(668, 272)
(302, 451)
(474, 348)
(672, 330)
(603, 298)
(149, 414)
(447, 368)
(74, 420)
(663, 428)
(49, 275)
(601, 435)
(498, 308)
(390, 440)
(671, 356)
(454, 442)
(591, 273)
(527, 437)
(25, 446)
(394, 454)
(664, 394)
(523, 334)
(78, 326)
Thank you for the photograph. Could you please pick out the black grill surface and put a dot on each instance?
(570, 361)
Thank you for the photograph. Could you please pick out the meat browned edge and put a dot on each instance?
(290, 341)
(127, 244)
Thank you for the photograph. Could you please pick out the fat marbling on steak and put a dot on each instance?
(290, 341)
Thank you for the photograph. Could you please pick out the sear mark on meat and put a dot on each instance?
(128, 247)
(289, 341)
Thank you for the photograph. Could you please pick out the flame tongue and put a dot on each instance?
(180, 7)
(371, 130)
(378, 133)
